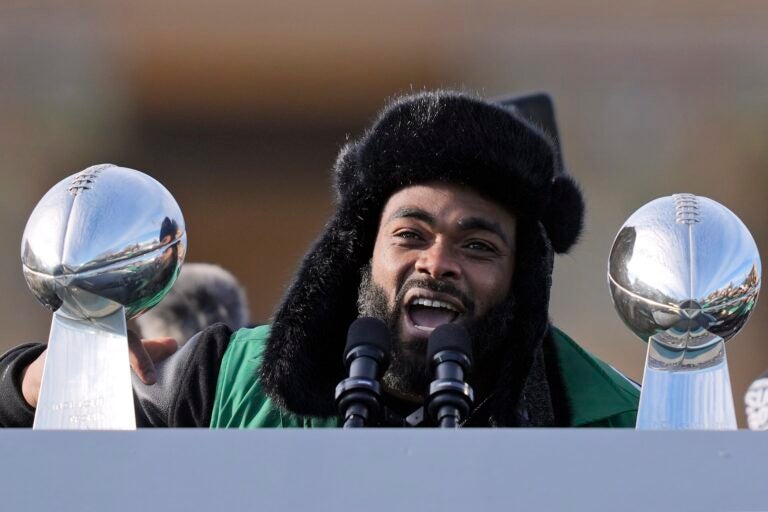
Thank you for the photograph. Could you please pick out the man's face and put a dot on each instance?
(442, 254)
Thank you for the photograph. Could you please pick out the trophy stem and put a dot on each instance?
(86, 380)
(686, 389)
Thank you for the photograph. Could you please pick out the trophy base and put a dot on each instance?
(689, 391)
(86, 381)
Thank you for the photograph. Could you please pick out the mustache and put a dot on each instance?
(435, 285)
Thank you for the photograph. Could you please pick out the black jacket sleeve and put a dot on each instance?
(182, 397)
(185, 390)
(14, 410)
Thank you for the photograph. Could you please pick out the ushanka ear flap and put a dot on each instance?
(302, 359)
(531, 285)
(564, 216)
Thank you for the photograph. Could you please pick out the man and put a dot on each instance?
(449, 209)
(203, 295)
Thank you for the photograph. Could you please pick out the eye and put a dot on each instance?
(477, 245)
(408, 234)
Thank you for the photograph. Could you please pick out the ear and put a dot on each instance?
(564, 216)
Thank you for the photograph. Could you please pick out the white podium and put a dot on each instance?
(383, 470)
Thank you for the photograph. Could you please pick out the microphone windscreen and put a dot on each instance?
(449, 337)
(368, 331)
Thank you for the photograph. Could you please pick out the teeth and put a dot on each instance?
(419, 301)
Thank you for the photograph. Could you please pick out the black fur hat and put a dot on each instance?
(432, 136)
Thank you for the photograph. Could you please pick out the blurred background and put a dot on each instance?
(240, 107)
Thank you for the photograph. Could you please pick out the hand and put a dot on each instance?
(142, 354)
(30, 380)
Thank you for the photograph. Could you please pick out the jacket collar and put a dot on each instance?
(594, 390)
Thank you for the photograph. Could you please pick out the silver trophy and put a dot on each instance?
(102, 246)
(756, 400)
(684, 274)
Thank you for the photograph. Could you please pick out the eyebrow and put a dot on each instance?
(470, 223)
(466, 223)
(410, 212)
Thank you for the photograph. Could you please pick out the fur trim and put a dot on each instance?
(453, 138)
(564, 217)
(434, 136)
(530, 284)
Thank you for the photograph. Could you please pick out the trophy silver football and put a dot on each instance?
(684, 274)
(101, 246)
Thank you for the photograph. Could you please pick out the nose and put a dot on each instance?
(439, 261)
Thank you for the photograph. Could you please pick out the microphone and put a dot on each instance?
(756, 401)
(449, 352)
(366, 357)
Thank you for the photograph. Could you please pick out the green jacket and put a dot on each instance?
(598, 395)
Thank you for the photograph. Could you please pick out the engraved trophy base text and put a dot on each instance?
(86, 380)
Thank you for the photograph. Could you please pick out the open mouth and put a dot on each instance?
(425, 314)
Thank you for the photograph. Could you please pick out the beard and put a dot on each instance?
(409, 374)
